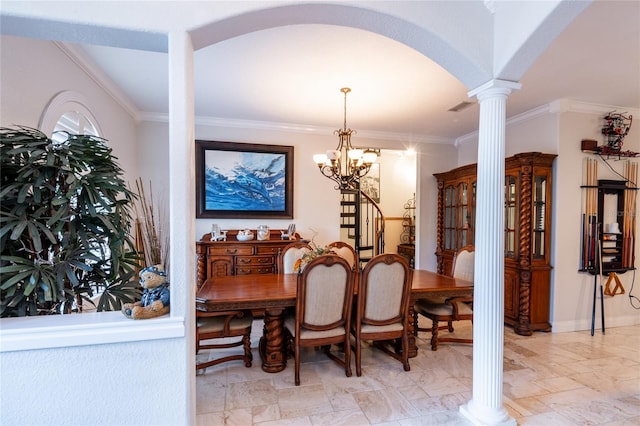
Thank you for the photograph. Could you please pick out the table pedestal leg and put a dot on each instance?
(272, 341)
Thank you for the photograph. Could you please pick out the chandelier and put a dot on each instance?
(345, 165)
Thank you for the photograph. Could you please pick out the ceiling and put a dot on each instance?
(292, 76)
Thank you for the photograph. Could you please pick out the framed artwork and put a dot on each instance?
(244, 181)
(370, 183)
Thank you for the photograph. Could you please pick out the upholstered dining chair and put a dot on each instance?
(382, 312)
(289, 254)
(221, 325)
(451, 309)
(323, 310)
(345, 251)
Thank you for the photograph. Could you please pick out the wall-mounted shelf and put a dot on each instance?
(608, 227)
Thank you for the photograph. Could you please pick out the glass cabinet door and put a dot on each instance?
(510, 216)
(462, 215)
(539, 215)
(449, 217)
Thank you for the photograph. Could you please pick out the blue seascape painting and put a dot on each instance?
(244, 181)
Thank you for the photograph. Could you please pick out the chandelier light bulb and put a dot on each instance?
(369, 157)
(320, 159)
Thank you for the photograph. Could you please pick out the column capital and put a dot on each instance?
(495, 86)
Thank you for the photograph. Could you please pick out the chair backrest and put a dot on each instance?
(345, 251)
(289, 254)
(385, 290)
(325, 294)
(464, 263)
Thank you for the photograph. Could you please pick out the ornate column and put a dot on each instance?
(485, 407)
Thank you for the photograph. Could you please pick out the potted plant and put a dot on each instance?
(65, 217)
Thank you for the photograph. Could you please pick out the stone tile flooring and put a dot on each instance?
(549, 379)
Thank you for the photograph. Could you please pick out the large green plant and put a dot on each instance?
(64, 225)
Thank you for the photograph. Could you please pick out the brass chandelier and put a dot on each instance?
(345, 165)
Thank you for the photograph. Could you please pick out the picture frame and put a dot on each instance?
(243, 180)
(370, 183)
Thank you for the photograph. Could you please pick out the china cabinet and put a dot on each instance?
(527, 236)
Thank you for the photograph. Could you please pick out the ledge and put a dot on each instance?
(57, 331)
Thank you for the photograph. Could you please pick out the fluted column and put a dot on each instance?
(485, 407)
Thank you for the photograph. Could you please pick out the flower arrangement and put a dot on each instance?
(307, 257)
(316, 251)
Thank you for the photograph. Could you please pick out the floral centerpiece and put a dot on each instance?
(316, 251)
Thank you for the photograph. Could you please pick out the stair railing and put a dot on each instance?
(360, 214)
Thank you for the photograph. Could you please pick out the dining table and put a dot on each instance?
(274, 293)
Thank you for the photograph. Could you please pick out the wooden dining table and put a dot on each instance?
(274, 293)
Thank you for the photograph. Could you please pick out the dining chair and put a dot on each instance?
(223, 325)
(323, 310)
(382, 312)
(450, 309)
(346, 251)
(289, 254)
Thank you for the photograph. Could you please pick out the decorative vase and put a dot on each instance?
(263, 232)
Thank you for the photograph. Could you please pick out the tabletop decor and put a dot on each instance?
(239, 180)
(245, 235)
(299, 265)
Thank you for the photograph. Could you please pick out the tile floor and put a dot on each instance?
(549, 379)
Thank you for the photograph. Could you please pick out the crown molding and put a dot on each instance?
(232, 123)
(99, 77)
(555, 107)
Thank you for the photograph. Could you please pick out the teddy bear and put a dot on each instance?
(155, 297)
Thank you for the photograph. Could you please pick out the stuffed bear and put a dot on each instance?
(155, 297)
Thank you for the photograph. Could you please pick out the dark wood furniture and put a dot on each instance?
(323, 310)
(222, 325)
(382, 312)
(275, 292)
(408, 251)
(233, 257)
(527, 238)
(451, 309)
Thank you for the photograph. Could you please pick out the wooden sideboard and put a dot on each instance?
(233, 257)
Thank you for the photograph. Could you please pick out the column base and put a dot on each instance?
(483, 417)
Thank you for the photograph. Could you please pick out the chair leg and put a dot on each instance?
(434, 336)
(297, 364)
(358, 357)
(248, 356)
(347, 357)
(405, 352)
(450, 323)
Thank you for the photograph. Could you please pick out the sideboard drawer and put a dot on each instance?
(268, 249)
(255, 260)
(234, 250)
(246, 270)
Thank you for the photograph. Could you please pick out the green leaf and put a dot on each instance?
(14, 279)
(17, 230)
